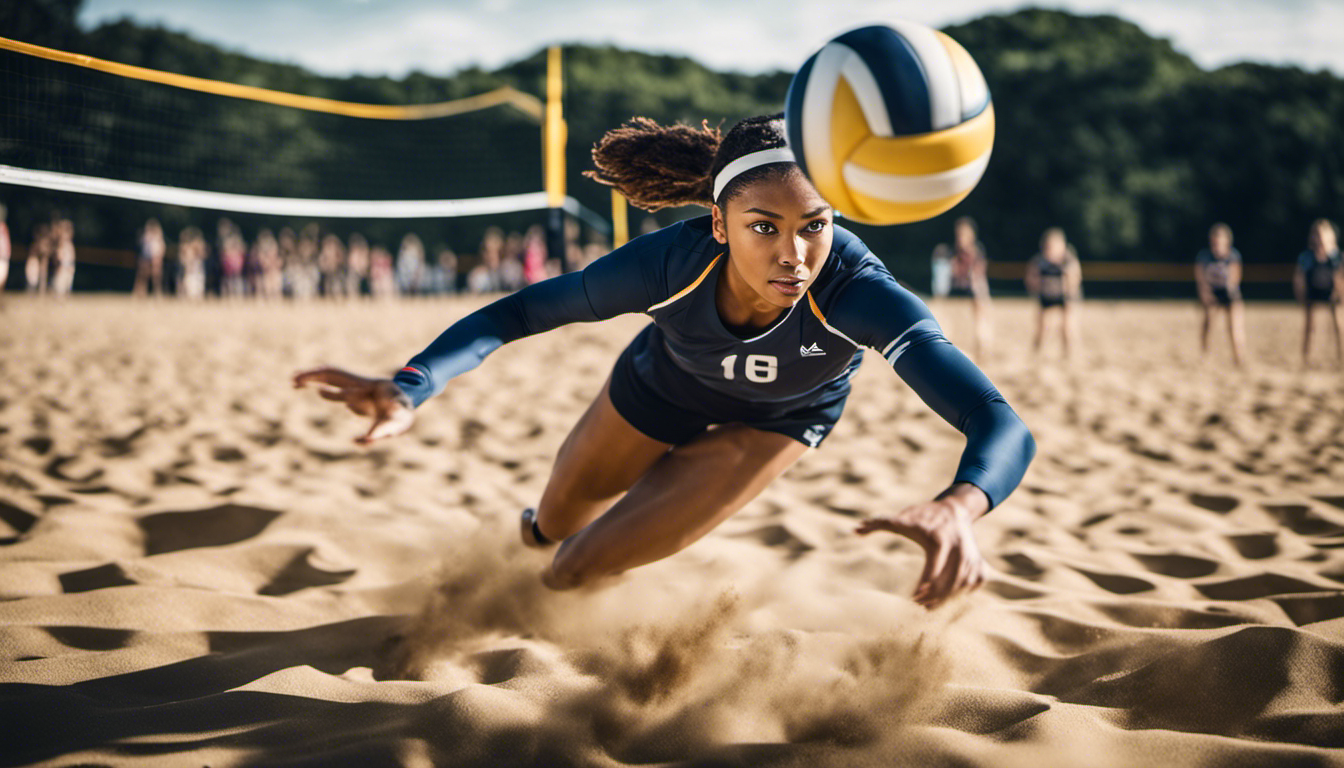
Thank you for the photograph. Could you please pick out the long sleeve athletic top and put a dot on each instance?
(809, 352)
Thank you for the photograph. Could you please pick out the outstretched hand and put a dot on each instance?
(379, 399)
(952, 560)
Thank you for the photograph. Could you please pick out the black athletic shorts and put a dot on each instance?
(662, 419)
(1321, 295)
(1053, 301)
(1226, 296)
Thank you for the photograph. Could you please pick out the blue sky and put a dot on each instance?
(441, 36)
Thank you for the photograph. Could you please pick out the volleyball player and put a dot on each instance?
(970, 277)
(1055, 278)
(760, 311)
(1319, 281)
(1218, 282)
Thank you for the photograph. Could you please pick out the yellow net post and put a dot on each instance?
(620, 221)
(554, 134)
(554, 131)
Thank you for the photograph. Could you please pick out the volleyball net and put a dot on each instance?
(74, 124)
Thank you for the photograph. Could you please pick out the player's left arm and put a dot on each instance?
(875, 311)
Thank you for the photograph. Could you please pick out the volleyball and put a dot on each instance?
(892, 123)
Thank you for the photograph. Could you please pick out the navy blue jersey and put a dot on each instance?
(1319, 275)
(807, 354)
(1217, 272)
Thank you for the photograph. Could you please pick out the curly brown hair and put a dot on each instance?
(658, 166)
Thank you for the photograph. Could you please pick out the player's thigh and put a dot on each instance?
(685, 495)
(601, 458)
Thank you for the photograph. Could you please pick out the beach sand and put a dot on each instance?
(199, 568)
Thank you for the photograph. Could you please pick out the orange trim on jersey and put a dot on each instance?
(816, 310)
(687, 289)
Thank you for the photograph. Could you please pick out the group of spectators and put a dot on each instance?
(1054, 276)
(311, 263)
(50, 263)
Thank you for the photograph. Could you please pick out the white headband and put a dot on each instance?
(748, 161)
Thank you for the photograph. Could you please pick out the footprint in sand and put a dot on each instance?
(1220, 504)
(1302, 520)
(212, 527)
(1180, 566)
(300, 573)
(1257, 586)
(102, 577)
(1256, 546)
(18, 520)
(91, 638)
(1307, 609)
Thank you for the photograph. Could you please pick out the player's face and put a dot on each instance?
(778, 233)
(1053, 248)
(1219, 243)
(1324, 239)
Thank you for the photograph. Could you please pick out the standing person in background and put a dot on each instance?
(445, 271)
(37, 264)
(486, 277)
(940, 271)
(5, 248)
(970, 278)
(232, 262)
(331, 265)
(382, 273)
(63, 234)
(357, 267)
(1218, 280)
(191, 252)
(1320, 280)
(410, 264)
(270, 277)
(149, 265)
(534, 255)
(1055, 278)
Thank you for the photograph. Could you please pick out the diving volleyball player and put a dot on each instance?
(760, 313)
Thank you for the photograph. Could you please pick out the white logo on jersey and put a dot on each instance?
(812, 351)
(814, 434)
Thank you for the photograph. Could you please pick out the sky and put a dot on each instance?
(393, 37)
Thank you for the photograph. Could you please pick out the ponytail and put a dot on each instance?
(657, 166)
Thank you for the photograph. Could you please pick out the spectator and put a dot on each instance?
(63, 233)
(191, 254)
(149, 264)
(357, 267)
(410, 264)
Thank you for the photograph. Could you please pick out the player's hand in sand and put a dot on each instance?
(952, 560)
(379, 399)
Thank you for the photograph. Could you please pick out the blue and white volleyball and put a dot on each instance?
(892, 123)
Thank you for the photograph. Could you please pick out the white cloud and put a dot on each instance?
(396, 36)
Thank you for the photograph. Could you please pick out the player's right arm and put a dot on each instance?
(628, 279)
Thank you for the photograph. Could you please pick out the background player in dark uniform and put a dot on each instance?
(1055, 278)
(1319, 281)
(1218, 281)
(760, 312)
(970, 277)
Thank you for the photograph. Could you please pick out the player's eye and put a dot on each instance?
(815, 226)
(762, 227)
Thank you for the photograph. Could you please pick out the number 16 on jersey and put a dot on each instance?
(761, 369)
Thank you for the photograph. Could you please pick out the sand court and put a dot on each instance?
(199, 567)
